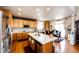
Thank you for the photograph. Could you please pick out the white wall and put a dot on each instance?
(40, 25)
(59, 25)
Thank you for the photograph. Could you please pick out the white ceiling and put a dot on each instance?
(55, 12)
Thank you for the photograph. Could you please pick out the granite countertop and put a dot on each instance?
(22, 30)
(43, 38)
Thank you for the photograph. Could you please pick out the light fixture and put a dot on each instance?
(19, 9)
(47, 9)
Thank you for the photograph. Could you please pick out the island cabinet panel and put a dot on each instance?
(39, 44)
(46, 48)
(32, 43)
(38, 47)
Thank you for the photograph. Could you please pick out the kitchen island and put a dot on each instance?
(41, 43)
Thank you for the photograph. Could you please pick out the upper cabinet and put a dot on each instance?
(9, 14)
(47, 25)
(33, 24)
(19, 23)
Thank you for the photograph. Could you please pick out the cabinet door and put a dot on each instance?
(25, 36)
(20, 23)
(14, 37)
(25, 43)
(19, 36)
(47, 25)
(32, 43)
(16, 22)
(31, 24)
(38, 47)
(35, 24)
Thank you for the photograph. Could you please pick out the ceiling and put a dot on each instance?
(41, 12)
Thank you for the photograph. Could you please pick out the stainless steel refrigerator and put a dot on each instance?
(5, 37)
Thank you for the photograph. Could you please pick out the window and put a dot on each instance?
(40, 25)
(59, 25)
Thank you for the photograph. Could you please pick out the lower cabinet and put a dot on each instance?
(14, 37)
(25, 43)
(45, 48)
(32, 43)
(19, 36)
(38, 47)
(25, 35)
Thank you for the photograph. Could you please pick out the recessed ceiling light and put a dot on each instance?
(37, 9)
(19, 13)
(47, 9)
(19, 9)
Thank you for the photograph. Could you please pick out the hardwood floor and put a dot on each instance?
(63, 47)
(17, 47)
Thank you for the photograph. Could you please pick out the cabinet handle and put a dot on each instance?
(29, 39)
(32, 41)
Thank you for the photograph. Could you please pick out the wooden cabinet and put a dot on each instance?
(19, 36)
(38, 47)
(47, 25)
(46, 48)
(41, 48)
(26, 22)
(14, 37)
(18, 23)
(33, 24)
(25, 43)
(25, 36)
(32, 43)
